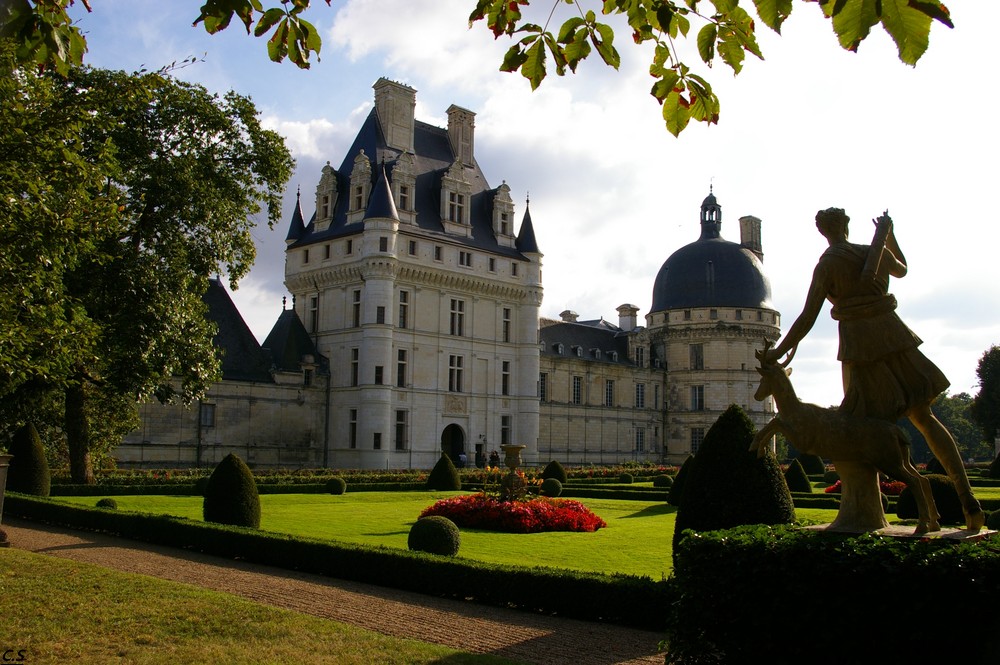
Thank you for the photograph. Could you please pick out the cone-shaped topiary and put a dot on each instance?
(231, 495)
(812, 464)
(554, 470)
(796, 478)
(945, 496)
(435, 534)
(729, 486)
(336, 485)
(994, 470)
(444, 476)
(29, 470)
(934, 466)
(550, 487)
(677, 490)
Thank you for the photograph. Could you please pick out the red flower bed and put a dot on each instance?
(888, 487)
(477, 511)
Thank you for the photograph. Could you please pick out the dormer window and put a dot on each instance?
(326, 197)
(578, 350)
(359, 198)
(503, 216)
(361, 181)
(614, 356)
(456, 208)
(404, 197)
(559, 349)
(456, 198)
(597, 354)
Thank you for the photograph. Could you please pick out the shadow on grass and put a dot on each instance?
(659, 509)
(387, 533)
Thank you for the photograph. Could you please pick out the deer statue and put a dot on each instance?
(839, 436)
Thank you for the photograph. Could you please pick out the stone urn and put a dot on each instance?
(513, 485)
(4, 465)
(512, 456)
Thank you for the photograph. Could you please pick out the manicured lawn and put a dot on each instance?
(61, 611)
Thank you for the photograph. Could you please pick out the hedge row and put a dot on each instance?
(779, 595)
(623, 599)
(262, 488)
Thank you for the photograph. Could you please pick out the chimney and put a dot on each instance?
(394, 104)
(461, 131)
(628, 316)
(750, 235)
(569, 316)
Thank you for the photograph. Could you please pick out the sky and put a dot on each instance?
(612, 193)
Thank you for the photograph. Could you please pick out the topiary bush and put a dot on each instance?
(554, 470)
(435, 534)
(336, 485)
(830, 477)
(677, 489)
(550, 487)
(812, 464)
(107, 502)
(934, 466)
(994, 469)
(663, 480)
(201, 485)
(993, 520)
(945, 496)
(626, 479)
(231, 495)
(29, 470)
(444, 476)
(796, 478)
(730, 486)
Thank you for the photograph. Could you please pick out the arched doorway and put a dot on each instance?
(453, 443)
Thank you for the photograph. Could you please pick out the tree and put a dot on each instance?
(174, 177)
(955, 413)
(985, 409)
(45, 34)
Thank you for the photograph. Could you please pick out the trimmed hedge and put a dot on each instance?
(444, 476)
(622, 599)
(748, 595)
(231, 494)
(29, 470)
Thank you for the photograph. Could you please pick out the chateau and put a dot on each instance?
(414, 330)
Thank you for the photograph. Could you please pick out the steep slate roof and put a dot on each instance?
(242, 357)
(432, 156)
(590, 335)
(297, 227)
(526, 236)
(288, 342)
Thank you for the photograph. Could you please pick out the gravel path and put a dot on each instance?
(461, 625)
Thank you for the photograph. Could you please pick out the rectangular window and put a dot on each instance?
(380, 314)
(577, 390)
(413, 248)
(739, 315)
(437, 252)
(352, 429)
(713, 314)
(404, 197)
(307, 377)
(404, 309)
(326, 251)
(325, 207)
(697, 398)
(687, 315)
(456, 207)
(207, 415)
(543, 386)
(378, 375)
(400, 442)
(356, 309)
(640, 356)
(513, 270)
(313, 314)
(377, 440)
(504, 224)
(697, 353)
(504, 430)
(505, 325)
(349, 246)
(455, 374)
(465, 259)
(609, 392)
(697, 438)
(457, 317)
(305, 256)
(359, 197)
(505, 377)
(401, 368)
(656, 395)
(640, 440)
(383, 244)
(493, 264)
(355, 356)
(640, 395)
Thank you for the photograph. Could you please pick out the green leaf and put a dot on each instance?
(277, 45)
(706, 43)
(853, 20)
(676, 113)
(577, 49)
(514, 58)
(935, 10)
(731, 50)
(533, 67)
(567, 32)
(662, 88)
(773, 12)
(268, 20)
(602, 40)
(908, 27)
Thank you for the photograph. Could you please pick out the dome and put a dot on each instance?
(711, 272)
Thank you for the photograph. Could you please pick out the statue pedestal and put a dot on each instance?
(860, 499)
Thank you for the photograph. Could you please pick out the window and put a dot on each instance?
(352, 429)
(697, 438)
(559, 349)
(609, 392)
(307, 377)
(404, 197)
(640, 440)
(687, 315)
(380, 314)
(465, 259)
(760, 316)
(401, 368)
(349, 246)
(578, 350)
(437, 252)
(697, 398)
(505, 377)
(313, 314)
(356, 309)
(739, 315)
(305, 256)
(505, 325)
(504, 224)
(326, 251)
(359, 197)
(383, 243)
(206, 415)
(543, 386)
(378, 375)
(713, 314)
(404, 309)
(640, 356)
(656, 395)
(640, 395)
(493, 264)
(355, 356)
(456, 207)
(412, 248)
(513, 270)
(325, 207)
(457, 316)
(377, 440)
(400, 439)
(455, 374)
(577, 390)
(697, 353)
(504, 430)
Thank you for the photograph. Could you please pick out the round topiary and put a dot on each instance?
(730, 486)
(444, 476)
(336, 485)
(435, 534)
(551, 487)
(663, 480)
(830, 477)
(993, 520)
(107, 502)
(677, 490)
(945, 496)
(626, 478)
(29, 470)
(796, 478)
(554, 470)
(231, 496)
(812, 464)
